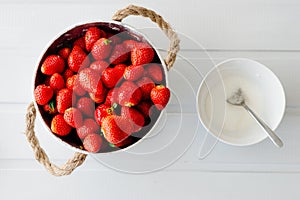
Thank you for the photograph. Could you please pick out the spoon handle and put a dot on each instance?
(275, 139)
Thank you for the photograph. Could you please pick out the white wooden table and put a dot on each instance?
(266, 31)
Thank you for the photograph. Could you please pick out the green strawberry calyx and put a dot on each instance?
(51, 105)
(112, 145)
(111, 109)
(107, 41)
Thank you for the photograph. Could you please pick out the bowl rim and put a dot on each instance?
(281, 88)
(57, 36)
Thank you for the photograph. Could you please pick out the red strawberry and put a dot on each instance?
(43, 94)
(73, 117)
(99, 66)
(119, 55)
(111, 96)
(129, 94)
(133, 73)
(135, 117)
(130, 44)
(154, 71)
(89, 126)
(142, 54)
(80, 42)
(116, 128)
(53, 64)
(146, 108)
(91, 36)
(146, 85)
(59, 126)
(64, 52)
(92, 143)
(57, 82)
(99, 97)
(89, 79)
(50, 107)
(111, 76)
(86, 106)
(78, 59)
(128, 141)
(74, 85)
(103, 111)
(67, 73)
(63, 100)
(160, 96)
(101, 49)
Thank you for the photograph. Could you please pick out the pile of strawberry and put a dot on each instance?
(101, 88)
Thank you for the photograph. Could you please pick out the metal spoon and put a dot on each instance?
(238, 100)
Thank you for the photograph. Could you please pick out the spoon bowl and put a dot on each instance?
(237, 99)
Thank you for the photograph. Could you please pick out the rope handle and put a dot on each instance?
(166, 28)
(40, 154)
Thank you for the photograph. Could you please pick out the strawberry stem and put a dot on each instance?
(52, 105)
(111, 145)
(115, 105)
(107, 41)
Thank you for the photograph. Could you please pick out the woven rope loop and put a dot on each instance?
(40, 154)
(166, 28)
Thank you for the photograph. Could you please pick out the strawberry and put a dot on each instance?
(99, 66)
(142, 54)
(111, 76)
(67, 73)
(91, 36)
(43, 94)
(146, 85)
(80, 42)
(74, 85)
(64, 52)
(116, 128)
(89, 79)
(56, 82)
(160, 96)
(99, 97)
(103, 111)
(53, 64)
(130, 44)
(73, 117)
(78, 59)
(154, 71)
(136, 118)
(50, 107)
(63, 100)
(128, 141)
(129, 94)
(101, 49)
(59, 126)
(146, 108)
(89, 126)
(86, 106)
(133, 73)
(111, 96)
(119, 54)
(92, 143)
